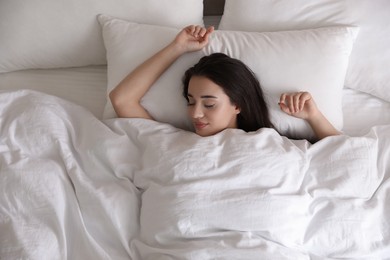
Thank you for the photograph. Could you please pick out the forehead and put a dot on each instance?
(200, 86)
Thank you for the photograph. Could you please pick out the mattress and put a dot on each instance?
(86, 86)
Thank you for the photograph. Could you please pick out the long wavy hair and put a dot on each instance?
(239, 83)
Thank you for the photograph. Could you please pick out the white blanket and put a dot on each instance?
(74, 187)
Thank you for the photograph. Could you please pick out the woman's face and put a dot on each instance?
(209, 107)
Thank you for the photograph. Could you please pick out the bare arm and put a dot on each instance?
(126, 97)
(302, 105)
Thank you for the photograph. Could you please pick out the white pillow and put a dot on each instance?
(308, 60)
(65, 33)
(370, 59)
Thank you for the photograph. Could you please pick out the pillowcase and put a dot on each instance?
(370, 59)
(58, 33)
(307, 60)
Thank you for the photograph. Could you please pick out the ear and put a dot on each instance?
(237, 109)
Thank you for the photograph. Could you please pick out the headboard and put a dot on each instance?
(213, 7)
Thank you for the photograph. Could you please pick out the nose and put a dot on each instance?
(197, 112)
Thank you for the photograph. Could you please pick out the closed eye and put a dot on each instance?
(191, 101)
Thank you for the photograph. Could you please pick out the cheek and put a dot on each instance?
(190, 111)
(220, 115)
(227, 111)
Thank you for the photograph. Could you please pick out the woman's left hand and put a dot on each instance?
(298, 104)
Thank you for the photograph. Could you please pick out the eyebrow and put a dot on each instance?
(205, 96)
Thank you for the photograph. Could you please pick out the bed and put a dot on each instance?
(78, 183)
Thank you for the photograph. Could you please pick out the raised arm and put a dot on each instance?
(302, 105)
(126, 97)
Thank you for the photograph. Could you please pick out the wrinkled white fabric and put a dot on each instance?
(262, 196)
(65, 182)
(74, 187)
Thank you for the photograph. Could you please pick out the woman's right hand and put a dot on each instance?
(193, 38)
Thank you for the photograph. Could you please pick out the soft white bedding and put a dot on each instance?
(66, 189)
(362, 111)
(74, 187)
(86, 86)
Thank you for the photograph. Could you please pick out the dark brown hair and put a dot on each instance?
(239, 83)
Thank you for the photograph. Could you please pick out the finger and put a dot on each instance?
(303, 99)
(190, 29)
(297, 98)
(282, 99)
(282, 103)
(290, 103)
(210, 29)
(284, 108)
(302, 102)
(202, 32)
(197, 31)
(306, 95)
(206, 36)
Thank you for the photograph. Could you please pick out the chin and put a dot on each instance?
(205, 133)
(200, 133)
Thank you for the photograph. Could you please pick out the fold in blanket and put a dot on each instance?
(74, 187)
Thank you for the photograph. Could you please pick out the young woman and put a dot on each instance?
(221, 91)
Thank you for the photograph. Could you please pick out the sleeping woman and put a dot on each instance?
(221, 92)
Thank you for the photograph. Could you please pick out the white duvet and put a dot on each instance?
(74, 187)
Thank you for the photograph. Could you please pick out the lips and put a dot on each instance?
(200, 125)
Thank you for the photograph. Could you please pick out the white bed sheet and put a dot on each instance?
(86, 86)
